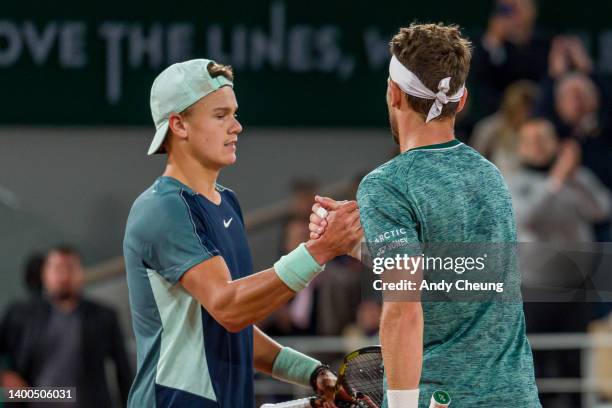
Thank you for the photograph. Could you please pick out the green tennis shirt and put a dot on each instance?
(448, 193)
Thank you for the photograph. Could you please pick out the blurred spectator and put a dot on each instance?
(365, 327)
(33, 283)
(303, 308)
(577, 103)
(295, 232)
(511, 49)
(368, 320)
(580, 106)
(297, 317)
(555, 200)
(279, 323)
(496, 136)
(335, 312)
(567, 54)
(303, 191)
(568, 57)
(302, 196)
(64, 340)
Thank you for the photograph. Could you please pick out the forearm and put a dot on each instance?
(246, 301)
(592, 199)
(291, 273)
(282, 363)
(401, 337)
(530, 211)
(265, 351)
(236, 304)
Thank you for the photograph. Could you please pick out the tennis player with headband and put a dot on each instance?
(193, 294)
(440, 190)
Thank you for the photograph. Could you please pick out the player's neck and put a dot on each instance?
(193, 174)
(416, 133)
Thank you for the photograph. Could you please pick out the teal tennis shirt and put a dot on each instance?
(448, 193)
(185, 357)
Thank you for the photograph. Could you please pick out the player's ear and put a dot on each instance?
(176, 123)
(394, 94)
(462, 101)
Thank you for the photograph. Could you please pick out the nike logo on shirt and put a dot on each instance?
(228, 222)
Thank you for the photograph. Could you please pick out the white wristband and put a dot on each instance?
(403, 398)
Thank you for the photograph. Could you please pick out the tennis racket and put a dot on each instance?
(361, 375)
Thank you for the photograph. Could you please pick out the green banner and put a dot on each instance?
(315, 63)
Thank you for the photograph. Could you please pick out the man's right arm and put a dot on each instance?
(384, 208)
(236, 304)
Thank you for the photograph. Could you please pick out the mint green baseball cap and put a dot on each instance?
(178, 87)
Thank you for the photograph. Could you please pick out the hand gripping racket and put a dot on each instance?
(361, 375)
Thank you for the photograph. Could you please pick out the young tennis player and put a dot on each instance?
(193, 294)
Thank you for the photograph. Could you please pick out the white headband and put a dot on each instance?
(412, 85)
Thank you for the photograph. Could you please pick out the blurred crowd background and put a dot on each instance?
(310, 82)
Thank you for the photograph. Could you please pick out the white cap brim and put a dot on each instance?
(158, 139)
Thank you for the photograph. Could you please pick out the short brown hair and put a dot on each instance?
(65, 249)
(433, 52)
(215, 70)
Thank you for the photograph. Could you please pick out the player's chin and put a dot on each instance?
(229, 159)
(229, 154)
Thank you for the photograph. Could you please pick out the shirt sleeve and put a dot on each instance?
(389, 222)
(175, 238)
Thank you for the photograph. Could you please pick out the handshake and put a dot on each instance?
(335, 229)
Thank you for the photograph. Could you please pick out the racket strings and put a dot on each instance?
(364, 373)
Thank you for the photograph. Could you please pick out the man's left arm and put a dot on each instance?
(288, 365)
(265, 351)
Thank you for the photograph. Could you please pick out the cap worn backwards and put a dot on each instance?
(178, 87)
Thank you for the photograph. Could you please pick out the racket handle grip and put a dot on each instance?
(440, 399)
